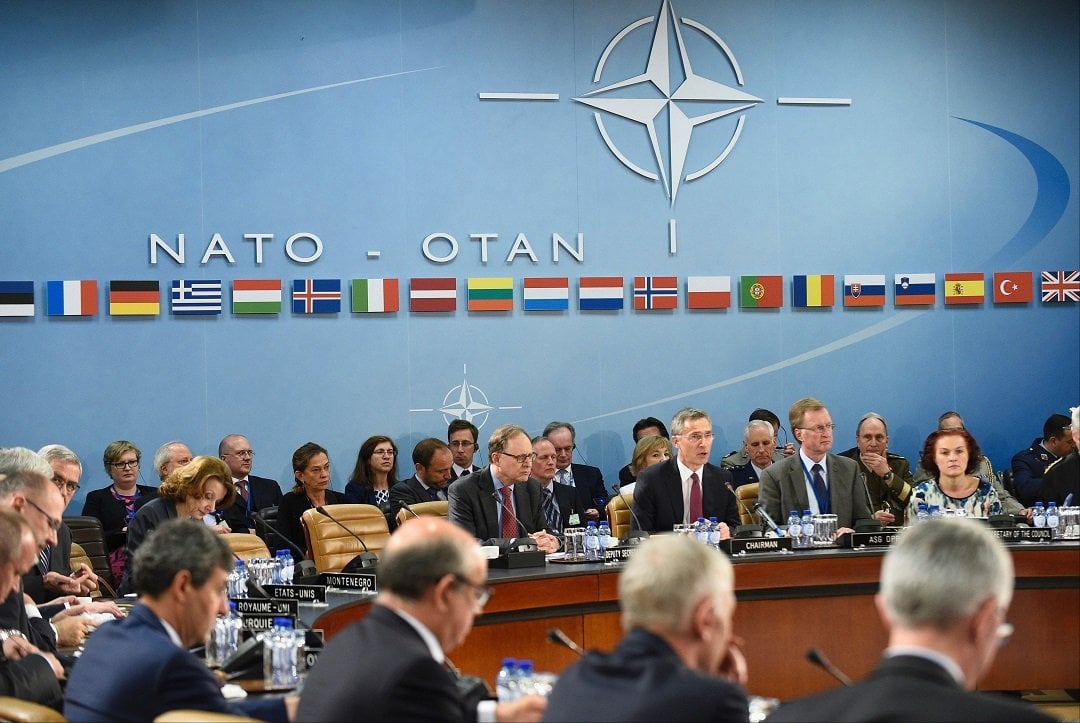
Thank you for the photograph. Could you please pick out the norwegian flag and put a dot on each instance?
(1060, 286)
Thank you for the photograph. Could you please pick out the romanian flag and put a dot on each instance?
(708, 292)
(134, 298)
(256, 296)
(491, 293)
(540, 293)
(433, 294)
(374, 296)
(815, 290)
(656, 292)
(864, 290)
(915, 289)
(964, 289)
(761, 292)
(1013, 287)
(71, 298)
(600, 293)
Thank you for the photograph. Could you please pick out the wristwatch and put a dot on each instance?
(887, 476)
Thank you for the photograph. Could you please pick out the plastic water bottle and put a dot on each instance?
(701, 531)
(281, 656)
(807, 538)
(922, 514)
(225, 638)
(603, 532)
(592, 542)
(284, 567)
(1038, 515)
(794, 528)
(1053, 519)
(714, 533)
(526, 683)
(935, 512)
(505, 684)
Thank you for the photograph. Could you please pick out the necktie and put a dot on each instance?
(695, 498)
(509, 524)
(242, 488)
(551, 512)
(565, 478)
(434, 494)
(43, 558)
(820, 490)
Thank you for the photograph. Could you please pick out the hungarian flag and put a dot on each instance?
(433, 294)
(864, 290)
(316, 296)
(71, 298)
(656, 292)
(814, 290)
(256, 296)
(915, 289)
(964, 289)
(16, 298)
(134, 298)
(545, 293)
(1060, 286)
(490, 293)
(374, 296)
(600, 293)
(761, 292)
(1013, 287)
(708, 292)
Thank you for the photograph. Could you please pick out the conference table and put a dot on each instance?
(787, 603)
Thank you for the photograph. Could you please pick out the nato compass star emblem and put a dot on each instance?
(465, 401)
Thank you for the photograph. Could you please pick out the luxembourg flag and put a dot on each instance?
(864, 290)
(71, 298)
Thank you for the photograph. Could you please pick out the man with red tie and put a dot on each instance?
(681, 490)
(252, 493)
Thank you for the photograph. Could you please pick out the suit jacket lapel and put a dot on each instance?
(798, 481)
(488, 504)
(674, 491)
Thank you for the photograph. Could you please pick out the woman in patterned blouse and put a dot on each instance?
(951, 456)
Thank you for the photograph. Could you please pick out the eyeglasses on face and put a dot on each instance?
(820, 429)
(384, 452)
(242, 453)
(482, 593)
(127, 464)
(520, 458)
(53, 522)
(66, 485)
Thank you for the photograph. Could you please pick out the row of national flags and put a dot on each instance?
(202, 297)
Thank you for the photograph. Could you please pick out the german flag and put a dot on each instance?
(134, 298)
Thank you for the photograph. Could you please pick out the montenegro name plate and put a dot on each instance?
(351, 581)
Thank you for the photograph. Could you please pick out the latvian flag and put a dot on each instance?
(374, 296)
(71, 298)
(134, 298)
(316, 296)
(813, 290)
(256, 296)
(541, 293)
(1060, 286)
(491, 294)
(964, 289)
(196, 297)
(915, 289)
(708, 292)
(656, 292)
(432, 294)
(16, 298)
(600, 293)
(864, 290)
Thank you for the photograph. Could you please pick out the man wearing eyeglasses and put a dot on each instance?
(392, 665)
(814, 479)
(462, 436)
(945, 590)
(587, 481)
(681, 490)
(501, 501)
(253, 493)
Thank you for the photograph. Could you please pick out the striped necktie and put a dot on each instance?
(43, 558)
(551, 510)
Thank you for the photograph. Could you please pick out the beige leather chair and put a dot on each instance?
(79, 556)
(13, 710)
(436, 508)
(747, 495)
(618, 515)
(201, 716)
(332, 547)
(246, 546)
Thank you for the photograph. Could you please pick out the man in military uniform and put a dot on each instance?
(888, 476)
(740, 457)
(1062, 478)
(759, 445)
(1029, 465)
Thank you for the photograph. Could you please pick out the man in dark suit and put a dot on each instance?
(137, 668)
(501, 501)
(462, 436)
(678, 660)
(587, 481)
(558, 502)
(392, 664)
(814, 479)
(433, 460)
(681, 490)
(945, 590)
(253, 493)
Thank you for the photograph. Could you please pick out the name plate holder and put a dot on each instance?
(756, 545)
(358, 582)
(266, 606)
(1024, 534)
(861, 540)
(300, 593)
(517, 560)
(619, 553)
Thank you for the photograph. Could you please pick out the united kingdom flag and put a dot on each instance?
(1058, 286)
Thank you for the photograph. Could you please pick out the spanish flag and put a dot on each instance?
(964, 289)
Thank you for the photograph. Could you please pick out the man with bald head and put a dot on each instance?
(431, 588)
(888, 476)
(253, 493)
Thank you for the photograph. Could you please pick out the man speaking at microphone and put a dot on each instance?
(501, 501)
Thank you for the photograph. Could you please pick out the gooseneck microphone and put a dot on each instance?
(557, 636)
(760, 509)
(818, 658)
(365, 559)
(405, 506)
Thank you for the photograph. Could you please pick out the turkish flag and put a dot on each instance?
(1012, 287)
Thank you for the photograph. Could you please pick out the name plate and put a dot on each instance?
(1024, 534)
(257, 623)
(261, 606)
(300, 593)
(754, 545)
(873, 539)
(358, 581)
(619, 554)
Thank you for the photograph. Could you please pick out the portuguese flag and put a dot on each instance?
(761, 292)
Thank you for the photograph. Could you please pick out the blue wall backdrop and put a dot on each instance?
(363, 123)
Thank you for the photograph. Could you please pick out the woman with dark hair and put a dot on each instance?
(311, 468)
(192, 491)
(950, 456)
(374, 474)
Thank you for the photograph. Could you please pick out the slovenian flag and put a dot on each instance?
(864, 290)
(600, 293)
(71, 298)
(540, 293)
(915, 289)
(656, 292)
(374, 296)
(813, 290)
